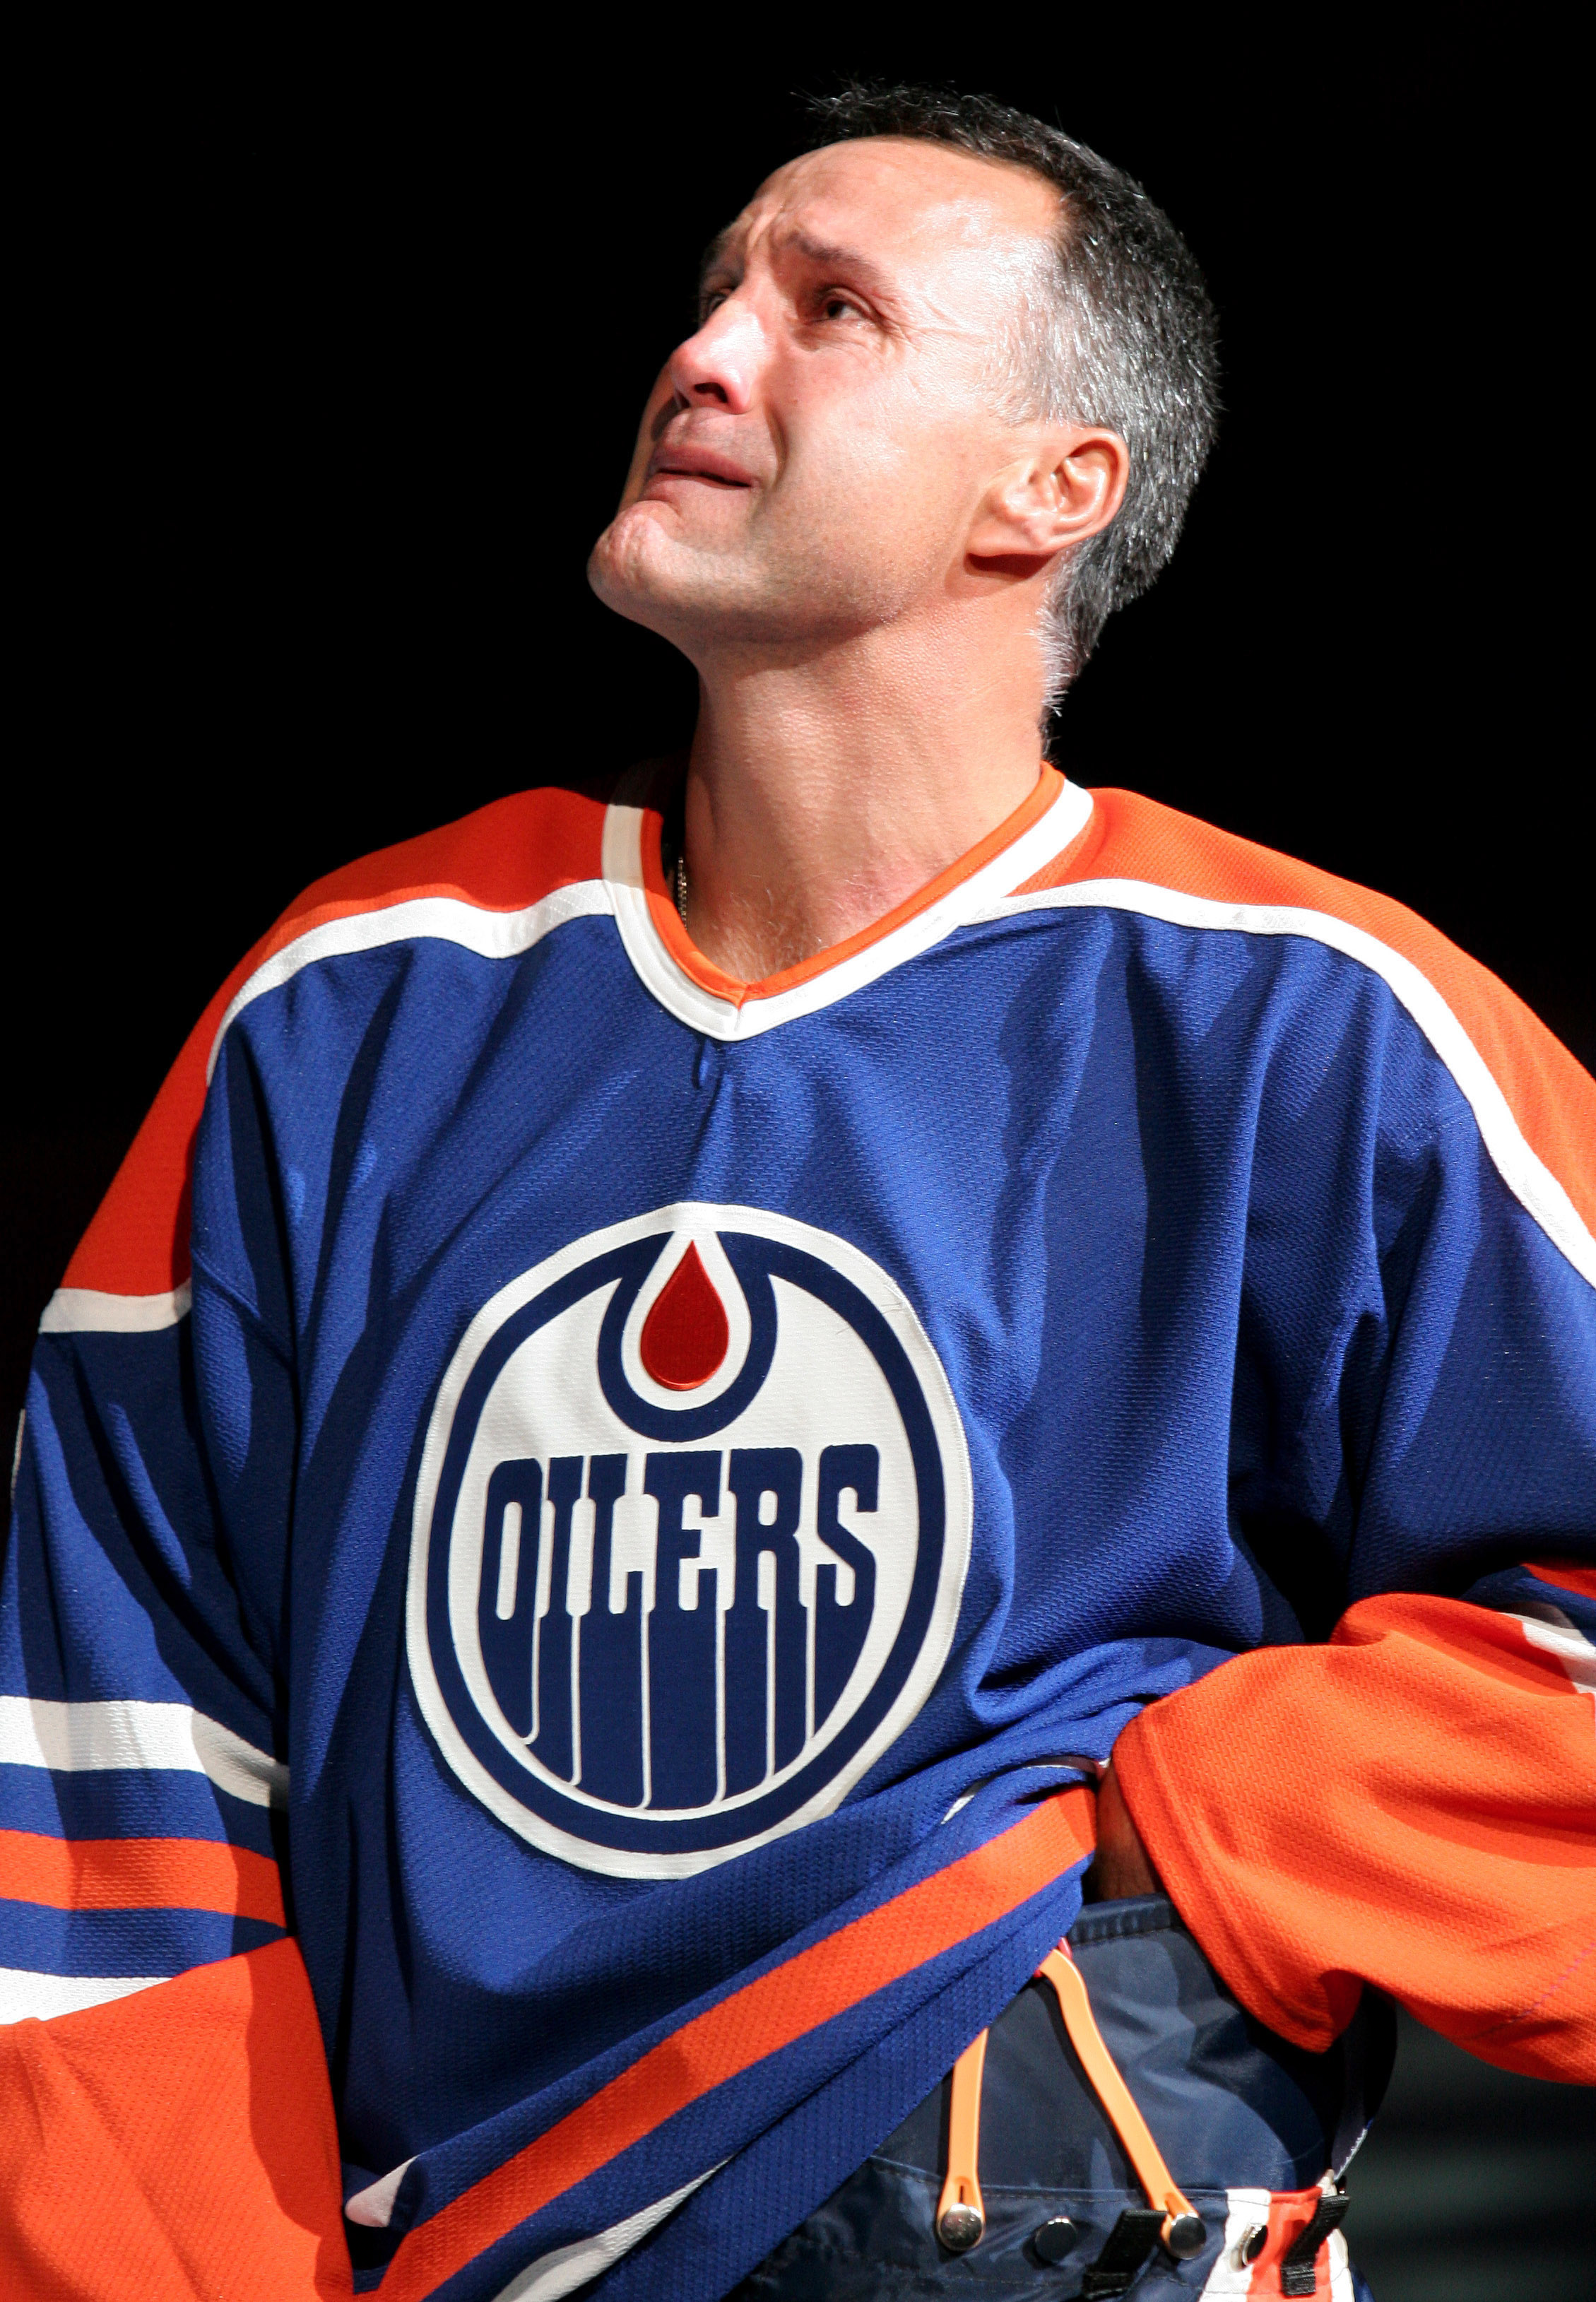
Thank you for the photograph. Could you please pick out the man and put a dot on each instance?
(688, 1395)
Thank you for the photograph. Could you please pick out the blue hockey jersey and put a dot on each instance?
(623, 1511)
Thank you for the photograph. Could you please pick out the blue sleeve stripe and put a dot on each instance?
(122, 1803)
(39, 1939)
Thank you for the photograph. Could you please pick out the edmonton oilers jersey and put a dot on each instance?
(620, 1507)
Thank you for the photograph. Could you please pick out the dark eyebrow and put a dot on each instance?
(826, 255)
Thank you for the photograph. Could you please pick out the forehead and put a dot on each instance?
(917, 208)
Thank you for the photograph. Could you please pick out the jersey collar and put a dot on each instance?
(696, 991)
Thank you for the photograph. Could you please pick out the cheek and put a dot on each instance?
(878, 470)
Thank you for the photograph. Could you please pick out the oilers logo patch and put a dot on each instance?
(690, 1536)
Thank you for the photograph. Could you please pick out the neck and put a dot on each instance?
(821, 795)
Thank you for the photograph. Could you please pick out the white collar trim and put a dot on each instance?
(719, 1019)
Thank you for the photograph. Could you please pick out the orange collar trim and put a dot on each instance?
(674, 935)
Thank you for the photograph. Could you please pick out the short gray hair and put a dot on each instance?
(1121, 333)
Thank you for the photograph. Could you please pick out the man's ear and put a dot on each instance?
(1067, 490)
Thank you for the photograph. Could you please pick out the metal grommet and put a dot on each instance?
(1250, 2245)
(960, 2229)
(1056, 2239)
(1186, 2236)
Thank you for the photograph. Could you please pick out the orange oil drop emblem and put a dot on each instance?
(685, 1335)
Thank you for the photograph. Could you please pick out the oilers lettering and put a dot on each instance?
(690, 1537)
(665, 1629)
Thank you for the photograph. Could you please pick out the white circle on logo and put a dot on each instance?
(690, 1536)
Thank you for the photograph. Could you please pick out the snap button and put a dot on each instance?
(1185, 2237)
(1056, 2239)
(1250, 2245)
(960, 2228)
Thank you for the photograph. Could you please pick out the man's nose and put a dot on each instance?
(716, 367)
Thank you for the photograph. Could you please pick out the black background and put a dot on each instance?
(331, 362)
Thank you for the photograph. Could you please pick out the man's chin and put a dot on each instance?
(646, 570)
(702, 597)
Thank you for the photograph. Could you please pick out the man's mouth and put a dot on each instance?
(683, 462)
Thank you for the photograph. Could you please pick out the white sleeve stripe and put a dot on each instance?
(1554, 1633)
(87, 1311)
(447, 919)
(39, 1997)
(1531, 1181)
(84, 1737)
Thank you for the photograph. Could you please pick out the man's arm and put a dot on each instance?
(1412, 1805)
(1414, 1802)
(145, 1962)
(178, 2141)
(166, 2121)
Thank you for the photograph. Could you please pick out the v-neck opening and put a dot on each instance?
(1049, 818)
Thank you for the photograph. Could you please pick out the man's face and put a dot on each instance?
(811, 462)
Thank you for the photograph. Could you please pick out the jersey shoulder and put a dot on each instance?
(1135, 840)
(502, 857)
(1137, 855)
(132, 1265)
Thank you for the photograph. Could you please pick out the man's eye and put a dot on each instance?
(711, 301)
(839, 307)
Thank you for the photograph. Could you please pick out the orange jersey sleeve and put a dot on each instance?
(1412, 1805)
(177, 2143)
